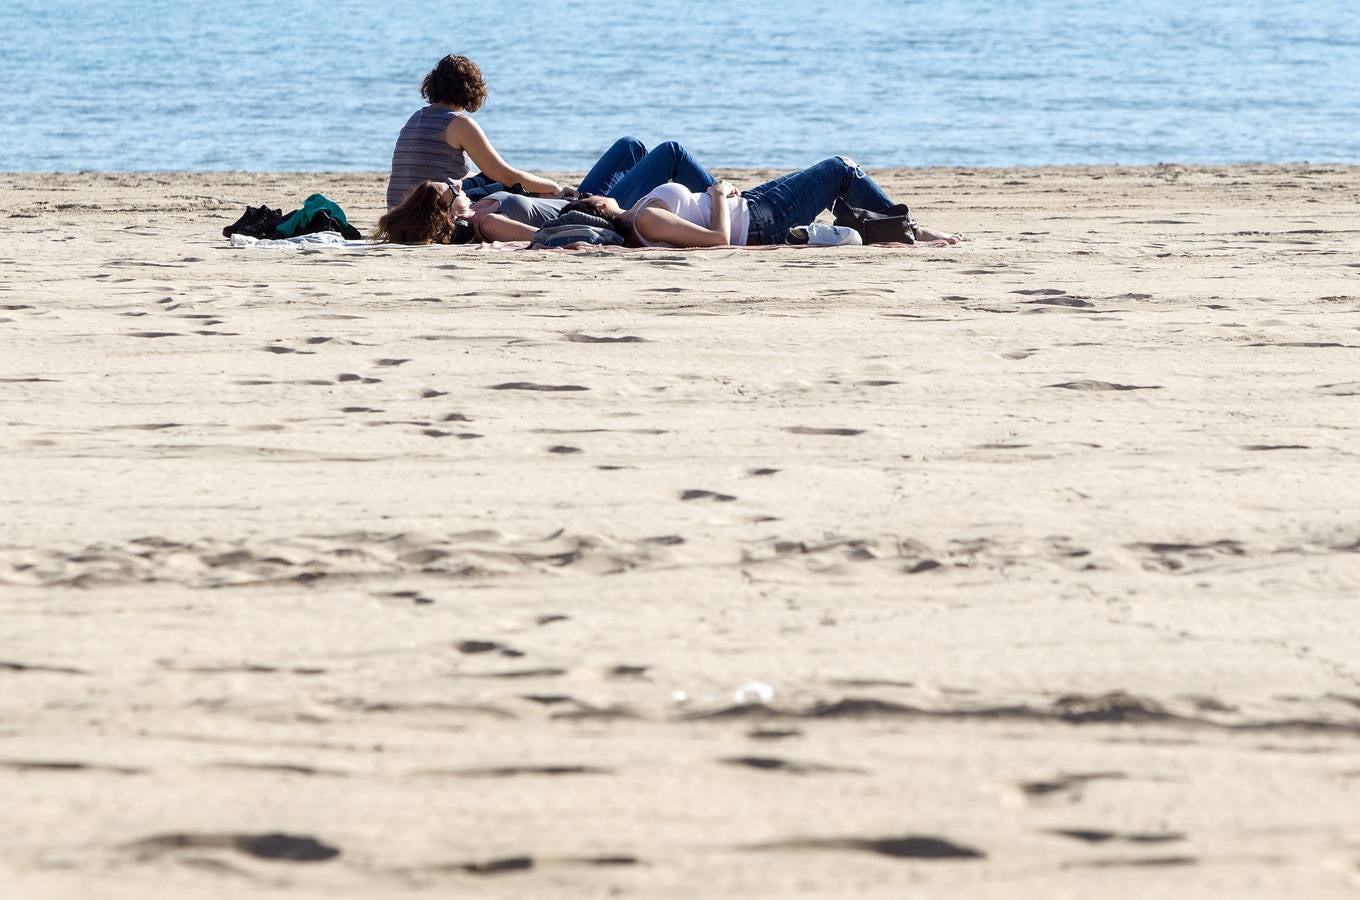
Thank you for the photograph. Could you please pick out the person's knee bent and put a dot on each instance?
(842, 163)
(841, 168)
(628, 142)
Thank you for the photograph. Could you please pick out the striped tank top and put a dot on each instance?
(422, 153)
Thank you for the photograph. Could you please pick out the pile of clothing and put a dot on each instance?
(317, 214)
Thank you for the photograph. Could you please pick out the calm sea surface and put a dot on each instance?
(309, 85)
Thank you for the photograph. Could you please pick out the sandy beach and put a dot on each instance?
(1027, 567)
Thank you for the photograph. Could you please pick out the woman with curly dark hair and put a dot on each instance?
(437, 141)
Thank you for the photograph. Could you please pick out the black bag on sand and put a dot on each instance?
(893, 227)
(258, 222)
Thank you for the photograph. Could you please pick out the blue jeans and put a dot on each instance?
(797, 199)
(627, 175)
(609, 169)
(613, 165)
(479, 186)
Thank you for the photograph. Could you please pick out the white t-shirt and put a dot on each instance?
(694, 208)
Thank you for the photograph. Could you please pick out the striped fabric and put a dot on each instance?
(422, 154)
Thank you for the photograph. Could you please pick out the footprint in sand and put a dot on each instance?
(12, 666)
(517, 771)
(274, 846)
(777, 764)
(523, 863)
(1088, 385)
(545, 672)
(415, 597)
(41, 765)
(1094, 836)
(476, 647)
(836, 432)
(773, 734)
(531, 386)
(1073, 302)
(578, 338)
(907, 847)
(700, 494)
(1064, 789)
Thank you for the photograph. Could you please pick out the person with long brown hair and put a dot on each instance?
(436, 213)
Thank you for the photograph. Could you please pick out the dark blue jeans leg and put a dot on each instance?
(667, 162)
(613, 165)
(479, 186)
(797, 199)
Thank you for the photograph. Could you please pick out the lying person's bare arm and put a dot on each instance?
(492, 226)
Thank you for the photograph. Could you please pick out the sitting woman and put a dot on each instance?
(432, 209)
(436, 142)
(673, 215)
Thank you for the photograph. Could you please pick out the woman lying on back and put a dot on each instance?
(673, 215)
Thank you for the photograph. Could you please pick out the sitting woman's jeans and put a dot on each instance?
(608, 171)
(627, 172)
(478, 186)
(797, 199)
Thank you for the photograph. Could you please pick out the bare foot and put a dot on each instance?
(934, 238)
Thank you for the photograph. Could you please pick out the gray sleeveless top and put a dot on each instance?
(422, 154)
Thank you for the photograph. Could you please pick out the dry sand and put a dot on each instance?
(1043, 551)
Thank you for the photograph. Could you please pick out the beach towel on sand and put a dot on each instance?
(307, 241)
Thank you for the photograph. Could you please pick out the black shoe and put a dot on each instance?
(258, 222)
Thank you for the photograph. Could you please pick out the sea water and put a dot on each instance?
(317, 85)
